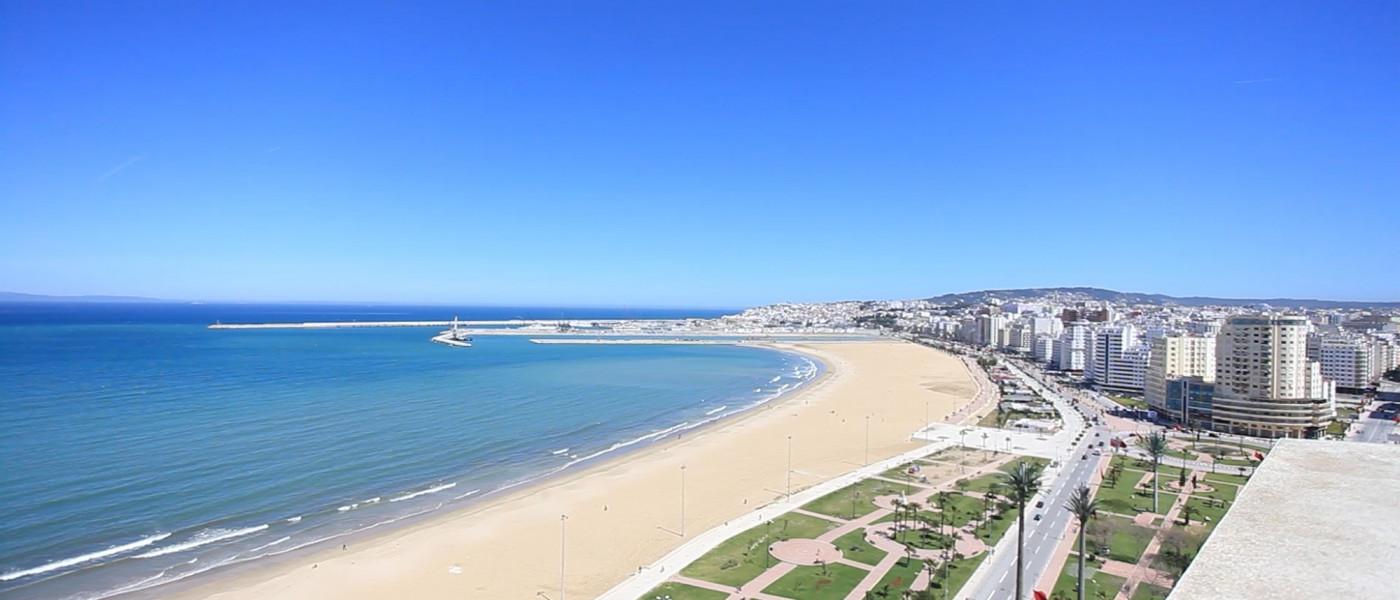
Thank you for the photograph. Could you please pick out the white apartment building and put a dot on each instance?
(1264, 384)
(1348, 360)
(1118, 360)
(1071, 349)
(1204, 327)
(1019, 337)
(1043, 347)
(992, 330)
(1175, 355)
(1051, 326)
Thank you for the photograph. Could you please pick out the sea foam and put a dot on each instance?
(431, 490)
(207, 536)
(76, 560)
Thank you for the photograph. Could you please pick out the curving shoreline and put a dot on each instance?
(491, 547)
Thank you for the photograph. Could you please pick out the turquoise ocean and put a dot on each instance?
(138, 447)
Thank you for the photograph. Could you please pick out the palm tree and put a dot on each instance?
(1022, 485)
(1155, 444)
(898, 517)
(1084, 507)
(1186, 511)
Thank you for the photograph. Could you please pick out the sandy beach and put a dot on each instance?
(626, 513)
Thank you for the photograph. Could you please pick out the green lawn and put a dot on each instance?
(744, 556)
(1123, 499)
(1128, 540)
(810, 583)
(1182, 454)
(899, 577)
(982, 483)
(1096, 585)
(994, 528)
(1226, 478)
(1147, 591)
(680, 591)
(1202, 508)
(855, 500)
(901, 472)
(961, 509)
(926, 539)
(958, 573)
(1222, 491)
(854, 547)
(1130, 463)
(1130, 402)
(1030, 460)
(1237, 462)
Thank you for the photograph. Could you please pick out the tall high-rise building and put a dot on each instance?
(1118, 360)
(1043, 347)
(1070, 351)
(992, 330)
(1264, 384)
(1175, 356)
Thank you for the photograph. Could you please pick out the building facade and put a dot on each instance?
(1265, 386)
(1173, 356)
(1348, 360)
(1118, 359)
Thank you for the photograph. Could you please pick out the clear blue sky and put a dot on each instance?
(698, 154)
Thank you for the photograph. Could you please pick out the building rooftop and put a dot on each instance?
(1319, 519)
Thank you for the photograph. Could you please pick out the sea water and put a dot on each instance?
(139, 447)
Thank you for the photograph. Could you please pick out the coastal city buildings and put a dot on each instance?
(1245, 368)
(1348, 360)
(1119, 359)
(1174, 359)
(1071, 350)
(1265, 385)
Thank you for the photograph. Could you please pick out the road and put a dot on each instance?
(1042, 536)
(1375, 431)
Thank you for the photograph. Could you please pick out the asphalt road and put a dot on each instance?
(1375, 431)
(1044, 535)
(1041, 536)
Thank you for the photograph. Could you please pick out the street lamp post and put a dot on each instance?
(562, 519)
(789, 468)
(682, 500)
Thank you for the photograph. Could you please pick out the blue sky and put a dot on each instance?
(698, 154)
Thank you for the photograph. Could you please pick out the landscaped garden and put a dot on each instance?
(824, 582)
(744, 556)
(679, 591)
(940, 534)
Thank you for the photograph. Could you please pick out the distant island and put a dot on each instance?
(19, 297)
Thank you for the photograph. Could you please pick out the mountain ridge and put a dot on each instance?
(1103, 294)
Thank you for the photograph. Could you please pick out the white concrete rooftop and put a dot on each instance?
(1319, 519)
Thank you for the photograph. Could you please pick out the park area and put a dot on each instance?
(1136, 552)
(914, 531)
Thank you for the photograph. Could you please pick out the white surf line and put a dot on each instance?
(89, 557)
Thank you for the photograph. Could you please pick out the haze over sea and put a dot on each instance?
(141, 447)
